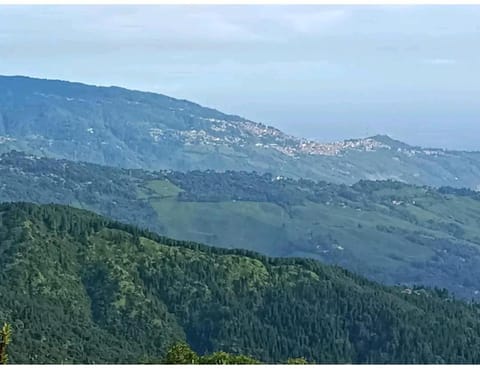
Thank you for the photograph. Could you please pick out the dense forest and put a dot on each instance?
(389, 231)
(79, 288)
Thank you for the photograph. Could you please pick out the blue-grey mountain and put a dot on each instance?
(132, 129)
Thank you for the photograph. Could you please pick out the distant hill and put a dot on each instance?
(118, 127)
(388, 231)
(78, 288)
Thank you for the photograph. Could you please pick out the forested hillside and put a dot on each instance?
(388, 231)
(77, 287)
(132, 129)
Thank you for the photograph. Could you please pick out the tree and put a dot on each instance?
(224, 358)
(5, 338)
(181, 353)
(297, 361)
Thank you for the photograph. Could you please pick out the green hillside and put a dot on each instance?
(388, 231)
(132, 129)
(77, 287)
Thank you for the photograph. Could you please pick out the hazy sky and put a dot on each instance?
(323, 72)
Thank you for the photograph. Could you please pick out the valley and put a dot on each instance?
(389, 231)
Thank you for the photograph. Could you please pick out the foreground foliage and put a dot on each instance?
(181, 353)
(5, 339)
(78, 288)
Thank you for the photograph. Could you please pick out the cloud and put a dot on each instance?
(316, 20)
(175, 32)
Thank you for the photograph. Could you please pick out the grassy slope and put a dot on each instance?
(377, 241)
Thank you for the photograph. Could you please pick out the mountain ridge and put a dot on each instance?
(380, 137)
(134, 129)
(136, 293)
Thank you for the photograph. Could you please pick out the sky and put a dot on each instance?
(321, 72)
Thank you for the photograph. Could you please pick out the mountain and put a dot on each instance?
(132, 129)
(388, 231)
(77, 287)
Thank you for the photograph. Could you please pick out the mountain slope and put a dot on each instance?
(135, 292)
(388, 231)
(133, 129)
